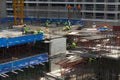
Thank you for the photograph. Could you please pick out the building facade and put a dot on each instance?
(90, 10)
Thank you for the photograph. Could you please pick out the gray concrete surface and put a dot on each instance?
(57, 46)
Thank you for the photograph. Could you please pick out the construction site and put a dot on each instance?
(59, 40)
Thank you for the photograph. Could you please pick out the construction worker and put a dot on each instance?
(73, 44)
(35, 32)
(91, 59)
(41, 31)
(63, 28)
(69, 24)
(46, 23)
(25, 29)
(65, 23)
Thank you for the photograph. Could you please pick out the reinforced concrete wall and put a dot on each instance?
(57, 49)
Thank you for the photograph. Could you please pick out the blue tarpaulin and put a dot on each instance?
(22, 63)
(20, 39)
(73, 21)
(102, 28)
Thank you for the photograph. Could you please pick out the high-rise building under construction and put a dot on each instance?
(89, 10)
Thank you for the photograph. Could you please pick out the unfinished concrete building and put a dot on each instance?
(90, 10)
(101, 46)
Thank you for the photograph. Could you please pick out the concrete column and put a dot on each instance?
(48, 13)
(94, 9)
(66, 11)
(55, 48)
(105, 9)
(27, 6)
(74, 10)
(83, 8)
(3, 12)
(37, 10)
(116, 9)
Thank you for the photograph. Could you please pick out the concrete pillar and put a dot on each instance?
(66, 13)
(56, 47)
(37, 10)
(48, 13)
(105, 9)
(83, 8)
(116, 9)
(3, 12)
(27, 7)
(94, 9)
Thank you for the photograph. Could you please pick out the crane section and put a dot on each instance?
(18, 11)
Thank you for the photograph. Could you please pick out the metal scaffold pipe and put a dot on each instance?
(20, 70)
(5, 75)
(2, 75)
(15, 72)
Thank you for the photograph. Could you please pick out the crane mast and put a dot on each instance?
(18, 11)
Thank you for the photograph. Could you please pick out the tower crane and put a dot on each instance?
(18, 11)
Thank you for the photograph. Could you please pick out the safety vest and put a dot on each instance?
(91, 59)
(73, 44)
(46, 24)
(25, 29)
